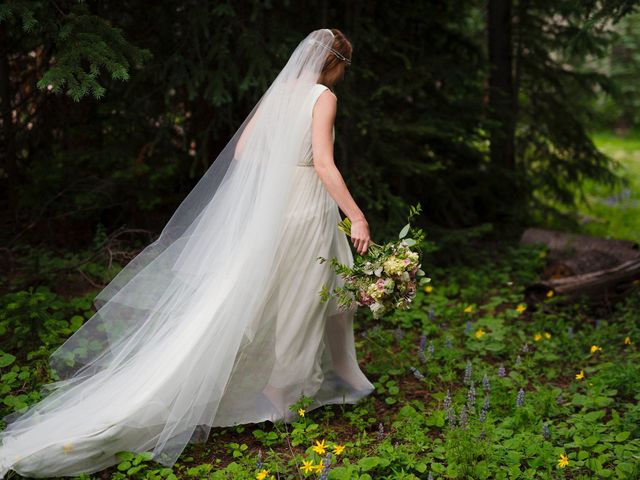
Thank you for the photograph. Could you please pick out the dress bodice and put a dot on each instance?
(307, 157)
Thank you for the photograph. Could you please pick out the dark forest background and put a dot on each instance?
(481, 111)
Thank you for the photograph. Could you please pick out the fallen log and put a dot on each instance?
(583, 266)
(606, 284)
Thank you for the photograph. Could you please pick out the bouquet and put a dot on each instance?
(385, 278)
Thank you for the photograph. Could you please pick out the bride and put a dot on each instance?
(219, 321)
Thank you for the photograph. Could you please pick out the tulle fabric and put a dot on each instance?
(217, 322)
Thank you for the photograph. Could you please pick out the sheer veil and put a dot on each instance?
(198, 286)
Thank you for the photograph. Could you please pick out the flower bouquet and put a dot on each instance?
(385, 278)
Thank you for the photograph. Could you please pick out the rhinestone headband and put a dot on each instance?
(335, 52)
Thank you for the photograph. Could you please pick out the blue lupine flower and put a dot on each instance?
(431, 314)
(502, 372)
(464, 417)
(467, 328)
(518, 360)
(467, 372)
(482, 435)
(430, 477)
(525, 348)
(448, 342)
(485, 409)
(471, 397)
(423, 342)
(598, 323)
(559, 399)
(545, 431)
(431, 349)
(451, 417)
(259, 462)
(520, 398)
(570, 331)
(326, 462)
(485, 383)
(447, 400)
(380, 432)
(416, 373)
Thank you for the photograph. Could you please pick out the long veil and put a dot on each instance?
(202, 278)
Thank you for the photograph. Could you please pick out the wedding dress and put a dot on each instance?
(218, 322)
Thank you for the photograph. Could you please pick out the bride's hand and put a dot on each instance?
(360, 236)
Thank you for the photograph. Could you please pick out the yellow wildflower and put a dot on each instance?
(319, 447)
(428, 288)
(521, 308)
(301, 412)
(627, 340)
(595, 348)
(67, 447)
(550, 293)
(537, 337)
(547, 335)
(580, 375)
(337, 449)
(564, 461)
(307, 465)
(542, 254)
(319, 467)
(262, 475)
(468, 309)
(480, 332)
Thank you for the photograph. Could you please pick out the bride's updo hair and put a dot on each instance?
(331, 72)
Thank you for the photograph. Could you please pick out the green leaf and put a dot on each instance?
(404, 231)
(622, 436)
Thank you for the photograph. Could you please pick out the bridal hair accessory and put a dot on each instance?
(335, 52)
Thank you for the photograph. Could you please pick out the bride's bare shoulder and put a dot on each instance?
(325, 90)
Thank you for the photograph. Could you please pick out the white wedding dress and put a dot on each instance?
(297, 345)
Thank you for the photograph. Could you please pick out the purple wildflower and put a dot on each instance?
(416, 373)
(423, 342)
(545, 431)
(259, 462)
(485, 409)
(448, 342)
(468, 370)
(471, 397)
(447, 400)
(326, 462)
(468, 326)
(520, 398)
(525, 348)
(380, 432)
(502, 372)
(464, 417)
(485, 383)
(518, 360)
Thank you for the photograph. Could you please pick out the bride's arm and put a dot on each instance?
(324, 113)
